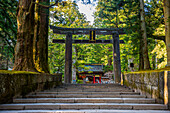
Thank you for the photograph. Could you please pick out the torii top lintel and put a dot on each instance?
(80, 31)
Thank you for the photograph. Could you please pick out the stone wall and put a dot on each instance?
(153, 84)
(13, 85)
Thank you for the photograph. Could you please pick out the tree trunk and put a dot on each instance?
(25, 33)
(141, 60)
(36, 26)
(41, 37)
(143, 31)
(167, 28)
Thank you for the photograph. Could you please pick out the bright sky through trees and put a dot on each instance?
(88, 10)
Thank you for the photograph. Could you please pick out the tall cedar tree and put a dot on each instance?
(143, 30)
(41, 36)
(167, 28)
(25, 33)
(29, 28)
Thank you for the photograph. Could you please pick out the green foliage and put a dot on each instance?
(8, 30)
(8, 22)
(109, 14)
(69, 16)
(161, 54)
(108, 68)
(66, 15)
(126, 14)
(79, 81)
(118, 14)
(155, 26)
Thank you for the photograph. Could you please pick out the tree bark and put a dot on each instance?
(141, 60)
(41, 37)
(167, 28)
(36, 26)
(143, 31)
(25, 33)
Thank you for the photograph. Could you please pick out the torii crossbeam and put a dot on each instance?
(87, 41)
(115, 32)
(86, 31)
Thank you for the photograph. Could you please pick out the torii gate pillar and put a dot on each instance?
(116, 58)
(68, 59)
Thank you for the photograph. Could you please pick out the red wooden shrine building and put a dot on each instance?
(91, 73)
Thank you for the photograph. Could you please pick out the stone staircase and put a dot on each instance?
(82, 98)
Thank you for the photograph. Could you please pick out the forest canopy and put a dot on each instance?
(145, 46)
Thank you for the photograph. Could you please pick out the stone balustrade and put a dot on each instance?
(19, 84)
(154, 84)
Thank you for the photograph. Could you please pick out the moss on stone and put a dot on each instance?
(149, 71)
(21, 83)
(17, 72)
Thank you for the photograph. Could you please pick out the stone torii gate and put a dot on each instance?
(115, 32)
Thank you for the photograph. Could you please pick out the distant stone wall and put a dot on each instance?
(153, 84)
(14, 85)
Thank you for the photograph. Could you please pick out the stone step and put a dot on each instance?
(101, 86)
(92, 93)
(83, 96)
(93, 86)
(93, 90)
(84, 85)
(85, 100)
(75, 106)
(86, 111)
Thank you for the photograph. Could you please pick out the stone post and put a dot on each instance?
(68, 59)
(116, 58)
